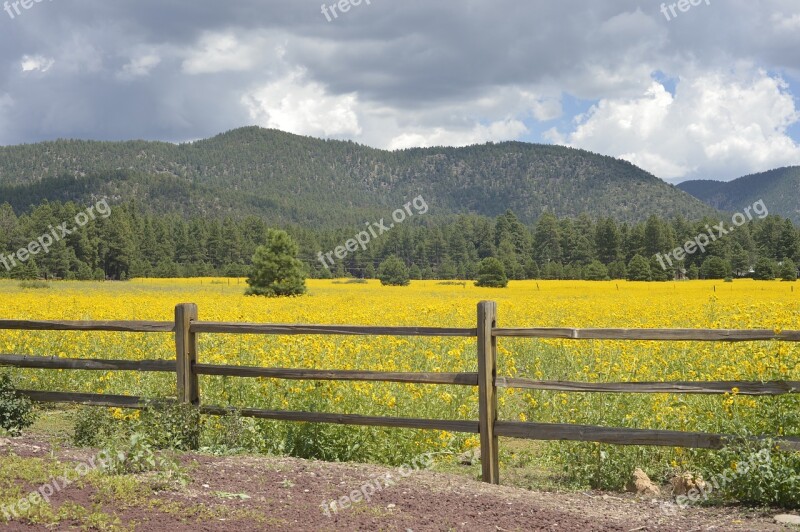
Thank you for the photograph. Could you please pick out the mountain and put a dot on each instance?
(779, 189)
(289, 178)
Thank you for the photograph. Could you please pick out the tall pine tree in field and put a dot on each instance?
(276, 269)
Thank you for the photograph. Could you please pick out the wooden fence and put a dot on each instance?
(186, 366)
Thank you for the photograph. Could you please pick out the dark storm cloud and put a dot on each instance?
(390, 73)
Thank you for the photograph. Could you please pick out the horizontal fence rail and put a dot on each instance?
(89, 364)
(349, 330)
(621, 436)
(187, 369)
(708, 388)
(351, 419)
(96, 399)
(113, 326)
(671, 335)
(462, 379)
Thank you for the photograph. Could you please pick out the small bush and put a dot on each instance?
(393, 272)
(276, 270)
(759, 473)
(163, 425)
(16, 410)
(231, 433)
(788, 270)
(93, 426)
(765, 270)
(715, 268)
(596, 271)
(33, 285)
(136, 453)
(639, 269)
(492, 274)
(172, 426)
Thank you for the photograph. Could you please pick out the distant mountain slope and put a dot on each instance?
(779, 189)
(290, 178)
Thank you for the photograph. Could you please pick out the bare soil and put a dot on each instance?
(243, 493)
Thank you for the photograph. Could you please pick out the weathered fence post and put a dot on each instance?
(186, 351)
(487, 392)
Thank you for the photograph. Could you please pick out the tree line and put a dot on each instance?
(132, 242)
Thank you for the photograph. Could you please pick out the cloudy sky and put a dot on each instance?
(710, 92)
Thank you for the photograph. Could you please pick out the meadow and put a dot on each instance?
(743, 304)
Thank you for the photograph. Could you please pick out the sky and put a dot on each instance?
(710, 91)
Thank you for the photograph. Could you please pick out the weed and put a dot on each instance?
(16, 410)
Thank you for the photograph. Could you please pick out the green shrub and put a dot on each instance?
(492, 274)
(16, 410)
(135, 453)
(788, 270)
(164, 426)
(276, 270)
(639, 269)
(171, 425)
(231, 433)
(393, 272)
(93, 426)
(765, 270)
(715, 268)
(596, 271)
(755, 472)
(617, 270)
(33, 285)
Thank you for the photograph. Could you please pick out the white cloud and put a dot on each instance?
(140, 66)
(304, 107)
(508, 129)
(788, 24)
(546, 109)
(298, 104)
(30, 63)
(728, 125)
(221, 52)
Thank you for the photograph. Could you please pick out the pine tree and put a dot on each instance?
(546, 244)
(638, 269)
(491, 274)
(607, 241)
(715, 268)
(393, 272)
(788, 271)
(276, 270)
(596, 271)
(765, 269)
(617, 270)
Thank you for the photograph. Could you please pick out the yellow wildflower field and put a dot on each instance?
(742, 304)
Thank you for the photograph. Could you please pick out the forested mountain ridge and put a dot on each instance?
(779, 189)
(286, 178)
